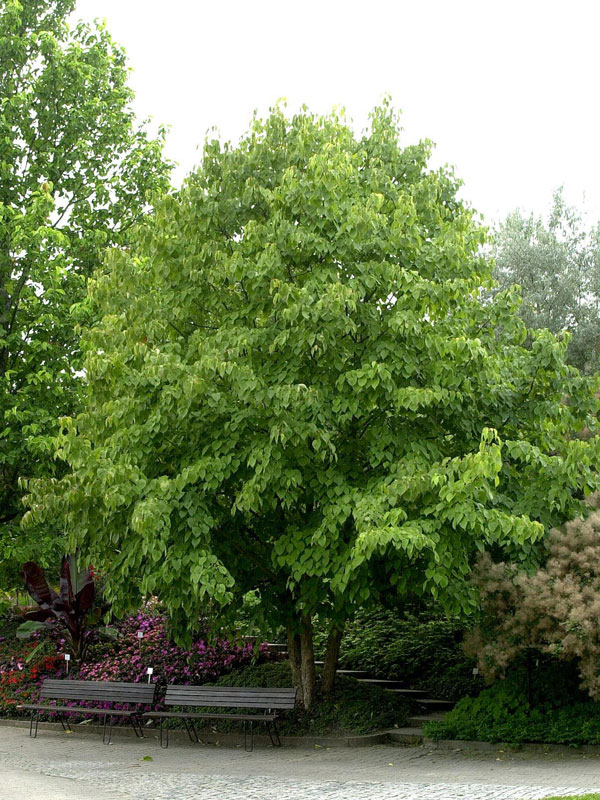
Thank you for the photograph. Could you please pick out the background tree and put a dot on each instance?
(557, 264)
(75, 175)
(296, 389)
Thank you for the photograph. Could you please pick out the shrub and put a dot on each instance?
(555, 611)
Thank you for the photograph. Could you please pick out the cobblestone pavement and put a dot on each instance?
(79, 767)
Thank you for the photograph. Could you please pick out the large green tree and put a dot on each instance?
(299, 389)
(556, 262)
(76, 172)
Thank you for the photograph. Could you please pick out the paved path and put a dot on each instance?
(80, 767)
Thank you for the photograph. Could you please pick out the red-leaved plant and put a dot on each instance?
(72, 615)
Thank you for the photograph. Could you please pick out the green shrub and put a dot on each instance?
(558, 712)
(423, 650)
(354, 709)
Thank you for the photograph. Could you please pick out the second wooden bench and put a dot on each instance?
(186, 698)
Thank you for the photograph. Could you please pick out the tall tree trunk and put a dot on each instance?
(332, 652)
(295, 662)
(307, 662)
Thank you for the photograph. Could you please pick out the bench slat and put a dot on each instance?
(116, 712)
(192, 715)
(230, 696)
(98, 691)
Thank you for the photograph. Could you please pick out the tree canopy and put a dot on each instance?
(76, 172)
(557, 265)
(298, 388)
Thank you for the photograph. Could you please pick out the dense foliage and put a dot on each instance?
(75, 174)
(556, 262)
(421, 649)
(552, 711)
(555, 610)
(297, 389)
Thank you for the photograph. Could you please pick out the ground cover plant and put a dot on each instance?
(297, 388)
(544, 705)
(128, 658)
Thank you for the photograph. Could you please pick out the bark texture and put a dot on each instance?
(332, 653)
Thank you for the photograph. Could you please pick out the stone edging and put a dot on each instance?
(393, 737)
(230, 739)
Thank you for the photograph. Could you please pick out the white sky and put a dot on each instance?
(509, 91)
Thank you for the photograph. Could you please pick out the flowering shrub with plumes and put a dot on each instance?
(556, 610)
(129, 658)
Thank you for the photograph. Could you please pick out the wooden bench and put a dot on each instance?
(271, 701)
(130, 695)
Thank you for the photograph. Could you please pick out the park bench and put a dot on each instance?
(186, 698)
(129, 695)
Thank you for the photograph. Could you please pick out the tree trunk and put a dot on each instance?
(295, 662)
(332, 652)
(307, 663)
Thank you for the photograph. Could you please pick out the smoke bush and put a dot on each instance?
(555, 610)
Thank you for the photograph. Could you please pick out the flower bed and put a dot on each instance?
(127, 660)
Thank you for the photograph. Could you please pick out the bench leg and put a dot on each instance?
(164, 733)
(273, 734)
(65, 724)
(105, 738)
(191, 730)
(33, 729)
(137, 727)
(251, 748)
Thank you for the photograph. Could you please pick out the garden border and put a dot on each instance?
(405, 737)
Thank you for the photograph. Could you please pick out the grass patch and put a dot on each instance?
(355, 708)
(576, 797)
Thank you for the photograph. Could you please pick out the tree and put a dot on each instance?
(557, 265)
(297, 389)
(75, 176)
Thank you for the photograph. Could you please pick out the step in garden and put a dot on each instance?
(383, 683)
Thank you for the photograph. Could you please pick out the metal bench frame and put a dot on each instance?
(129, 694)
(270, 701)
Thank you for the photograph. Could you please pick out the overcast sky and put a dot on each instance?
(508, 91)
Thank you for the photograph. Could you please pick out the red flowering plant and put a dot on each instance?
(21, 677)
